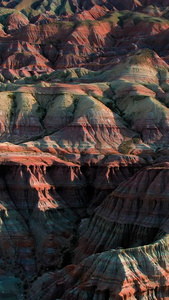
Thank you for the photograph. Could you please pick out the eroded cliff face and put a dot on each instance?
(84, 155)
(43, 200)
(122, 250)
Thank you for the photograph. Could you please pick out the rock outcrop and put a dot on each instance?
(123, 249)
(132, 215)
(84, 155)
(135, 273)
(94, 34)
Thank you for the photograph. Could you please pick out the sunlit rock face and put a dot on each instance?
(84, 155)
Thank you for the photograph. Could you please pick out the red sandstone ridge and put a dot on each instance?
(15, 21)
(93, 36)
(94, 13)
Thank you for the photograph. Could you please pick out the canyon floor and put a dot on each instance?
(84, 150)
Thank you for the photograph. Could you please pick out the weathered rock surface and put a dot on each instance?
(91, 34)
(134, 273)
(84, 155)
(137, 209)
(126, 248)
(42, 200)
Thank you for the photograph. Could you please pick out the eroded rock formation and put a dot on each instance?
(84, 155)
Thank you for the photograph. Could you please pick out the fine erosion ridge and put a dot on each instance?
(84, 150)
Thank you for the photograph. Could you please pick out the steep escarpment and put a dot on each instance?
(125, 274)
(43, 201)
(132, 215)
(28, 199)
(123, 249)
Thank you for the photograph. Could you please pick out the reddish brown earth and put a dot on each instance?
(35, 43)
(84, 150)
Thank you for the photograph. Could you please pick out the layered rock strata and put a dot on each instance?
(84, 156)
(123, 250)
